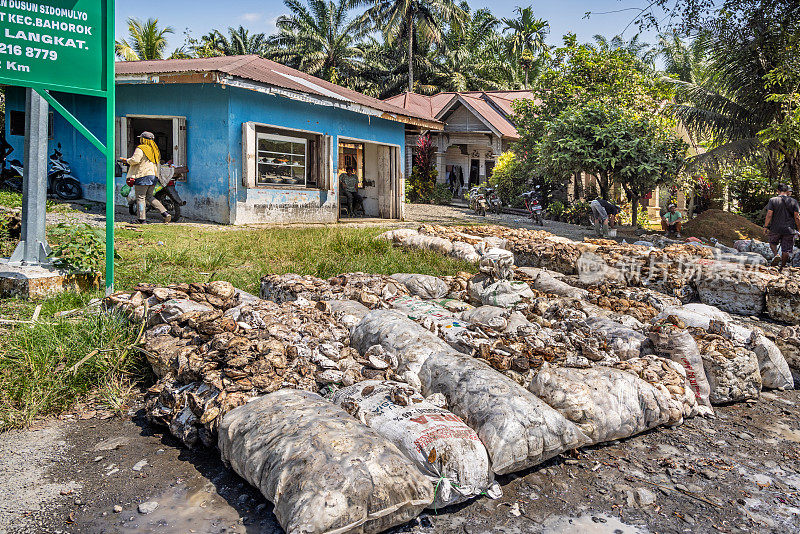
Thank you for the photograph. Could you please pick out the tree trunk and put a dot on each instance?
(411, 55)
(635, 211)
(526, 78)
(717, 200)
(793, 166)
(602, 183)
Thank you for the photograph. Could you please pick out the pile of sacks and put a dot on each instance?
(716, 275)
(213, 348)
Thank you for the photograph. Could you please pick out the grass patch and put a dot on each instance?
(13, 199)
(243, 256)
(37, 377)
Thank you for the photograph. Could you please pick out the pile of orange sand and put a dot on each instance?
(722, 225)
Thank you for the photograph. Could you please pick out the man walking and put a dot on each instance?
(781, 224)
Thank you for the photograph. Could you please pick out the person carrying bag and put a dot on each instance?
(143, 175)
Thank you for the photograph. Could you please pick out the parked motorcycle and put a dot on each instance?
(60, 181)
(483, 199)
(166, 194)
(533, 203)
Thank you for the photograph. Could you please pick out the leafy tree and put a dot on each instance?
(527, 38)
(146, 41)
(642, 51)
(683, 61)
(410, 20)
(612, 144)
(320, 39)
(583, 75)
(753, 56)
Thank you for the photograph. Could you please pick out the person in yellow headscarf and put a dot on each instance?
(144, 169)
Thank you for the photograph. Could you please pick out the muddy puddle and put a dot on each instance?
(184, 510)
(589, 524)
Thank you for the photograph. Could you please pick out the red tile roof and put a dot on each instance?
(262, 70)
(493, 106)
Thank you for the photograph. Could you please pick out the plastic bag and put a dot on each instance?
(517, 428)
(605, 403)
(678, 345)
(400, 336)
(666, 376)
(429, 242)
(397, 236)
(503, 293)
(775, 372)
(546, 283)
(436, 441)
(465, 252)
(625, 343)
(436, 319)
(492, 317)
(324, 471)
(422, 285)
(497, 263)
(733, 376)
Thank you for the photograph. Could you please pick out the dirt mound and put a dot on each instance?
(722, 225)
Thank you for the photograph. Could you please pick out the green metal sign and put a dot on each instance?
(66, 46)
(56, 44)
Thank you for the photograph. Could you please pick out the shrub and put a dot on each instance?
(422, 182)
(556, 208)
(509, 179)
(441, 195)
(577, 212)
(78, 247)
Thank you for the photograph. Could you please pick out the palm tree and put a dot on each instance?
(238, 42)
(638, 49)
(147, 41)
(527, 37)
(731, 105)
(682, 61)
(321, 39)
(411, 20)
(468, 56)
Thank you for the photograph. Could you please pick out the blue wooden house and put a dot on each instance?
(263, 143)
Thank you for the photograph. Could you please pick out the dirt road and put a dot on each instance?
(738, 472)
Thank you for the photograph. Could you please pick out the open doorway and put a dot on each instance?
(374, 169)
(169, 133)
(160, 128)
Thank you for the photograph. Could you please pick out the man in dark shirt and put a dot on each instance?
(782, 223)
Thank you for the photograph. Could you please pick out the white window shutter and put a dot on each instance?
(179, 158)
(327, 163)
(248, 154)
(120, 138)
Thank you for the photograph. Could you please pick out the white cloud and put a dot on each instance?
(251, 17)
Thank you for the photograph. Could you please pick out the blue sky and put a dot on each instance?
(199, 16)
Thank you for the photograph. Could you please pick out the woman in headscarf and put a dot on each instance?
(144, 168)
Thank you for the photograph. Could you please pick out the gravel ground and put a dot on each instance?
(93, 213)
(737, 472)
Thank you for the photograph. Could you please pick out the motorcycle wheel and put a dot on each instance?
(537, 218)
(172, 207)
(68, 189)
(14, 183)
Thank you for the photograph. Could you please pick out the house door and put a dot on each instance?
(385, 182)
(169, 133)
(474, 173)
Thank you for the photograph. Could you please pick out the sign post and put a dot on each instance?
(65, 46)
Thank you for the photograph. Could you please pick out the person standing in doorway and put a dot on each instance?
(349, 188)
(781, 224)
(143, 169)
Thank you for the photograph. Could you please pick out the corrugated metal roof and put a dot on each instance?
(493, 106)
(262, 70)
